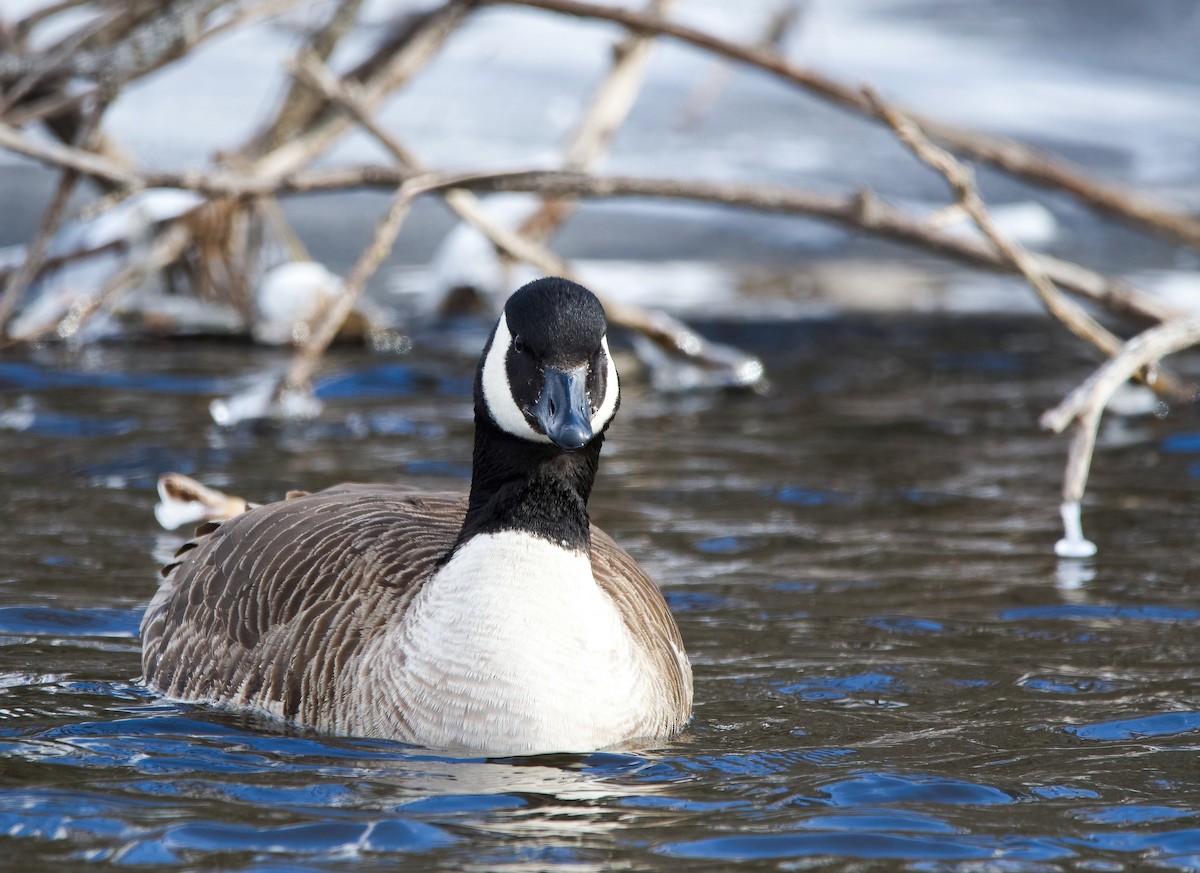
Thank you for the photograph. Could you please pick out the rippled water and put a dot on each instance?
(893, 672)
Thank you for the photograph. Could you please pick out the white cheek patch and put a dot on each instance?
(612, 391)
(497, 392)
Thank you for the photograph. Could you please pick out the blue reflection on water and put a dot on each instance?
(139, 466)
(802, 496)
(1134, 814)
(808, 496)
(1182, 443)
(907, 625)
(1179, 843)
(1069, 685)
(867, 845)
(768, 763)
(82, 818)
(727, 545)
(881, 820)
(835, 687)
(979, 362)
(45, 621)
(380, 835)
(16, 374)
(1073, 611)
(1164, 725)
(438, 468)
(695, 601)
(385, 380)
(328, 801)
(880, 788)
(1063, 792)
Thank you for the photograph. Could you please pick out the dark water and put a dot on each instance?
(893, 672)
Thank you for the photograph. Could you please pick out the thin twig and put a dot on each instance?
(704, 96)
(47, 106)
(1067, 311)
(607, 110)
(421, 46)
(25, 26)
(1137, 353)
(463, 203)
(52, 59)
(85, 162)
(55, 262)
(1135, 207)
(164, 36)
(396, 67)
(331, 320)
(165, 250)
(1081, 410)
(300, 105)
(35, 254)
(58, 102)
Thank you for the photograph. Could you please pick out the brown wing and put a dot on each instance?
(267, 609)
(648, 618)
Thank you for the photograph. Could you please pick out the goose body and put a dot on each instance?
(499, 622)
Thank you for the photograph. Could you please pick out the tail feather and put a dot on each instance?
(183, 500)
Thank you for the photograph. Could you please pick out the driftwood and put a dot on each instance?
(220, 238)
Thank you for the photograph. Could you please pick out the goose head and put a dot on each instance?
(546, 375)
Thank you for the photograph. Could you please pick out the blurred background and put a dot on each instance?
(1109, 85)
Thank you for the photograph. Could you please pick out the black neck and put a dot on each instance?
(533, 487)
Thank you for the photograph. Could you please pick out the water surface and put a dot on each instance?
(892, 670)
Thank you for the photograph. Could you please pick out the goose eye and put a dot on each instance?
(517, 345)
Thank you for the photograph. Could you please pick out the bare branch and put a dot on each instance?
(1135, 355)
(420, 47)
(166, 249)
(864, 211)
(83, 161)
(301, 105)
(330, 321)
(25, 26)
(607, 111)
(669, 333)
(1082, 408)
(1070, 313)
(167, 35)
(35, 254)
(1134, 207)
(704, 96)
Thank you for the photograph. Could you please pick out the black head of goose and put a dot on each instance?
(502, 623)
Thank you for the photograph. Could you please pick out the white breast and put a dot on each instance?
(511, 648)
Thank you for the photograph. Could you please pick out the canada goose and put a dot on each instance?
(499, 622)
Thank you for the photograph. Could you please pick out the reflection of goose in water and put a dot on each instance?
(503, 623)
(566, 806)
